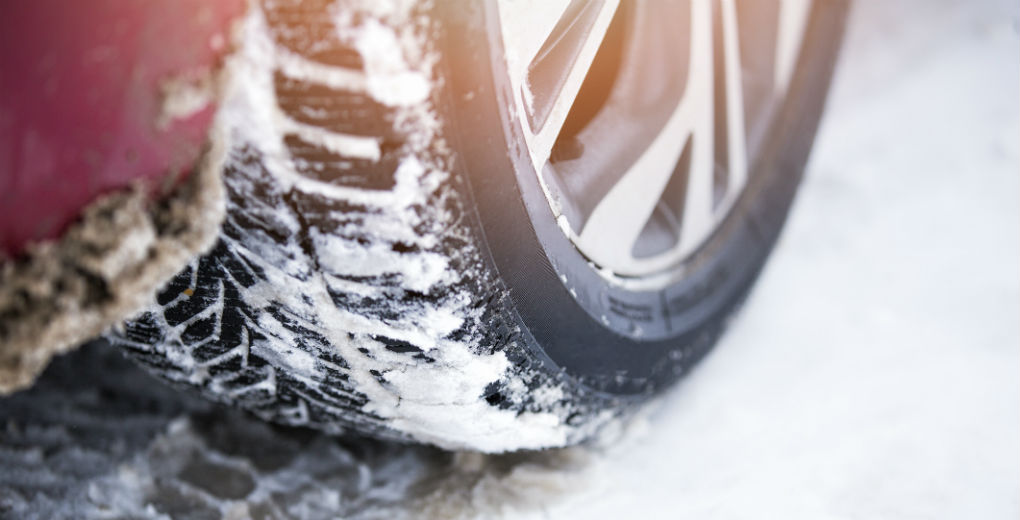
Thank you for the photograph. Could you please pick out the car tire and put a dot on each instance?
(392, 262)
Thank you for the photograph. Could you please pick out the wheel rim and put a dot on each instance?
(640, 118)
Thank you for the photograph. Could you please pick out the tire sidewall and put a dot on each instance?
(617, 341)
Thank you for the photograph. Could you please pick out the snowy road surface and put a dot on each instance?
(874, 373)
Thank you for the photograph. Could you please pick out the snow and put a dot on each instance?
(185, 96)
(390, 80)
(872, 374)
(874, 371)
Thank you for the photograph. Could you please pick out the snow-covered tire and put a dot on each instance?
(380, 269)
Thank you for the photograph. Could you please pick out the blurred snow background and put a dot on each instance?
(874, 373)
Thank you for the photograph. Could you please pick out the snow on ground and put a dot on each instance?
(872, 374)
(874, 371)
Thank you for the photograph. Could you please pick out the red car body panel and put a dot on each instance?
(82, 89)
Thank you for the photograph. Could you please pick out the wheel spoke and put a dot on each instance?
(526, 25)
(793, 15)
(644, 153)
(613, 227)
(557, 71)
(734, 90)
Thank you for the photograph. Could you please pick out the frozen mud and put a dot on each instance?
(106, 267)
